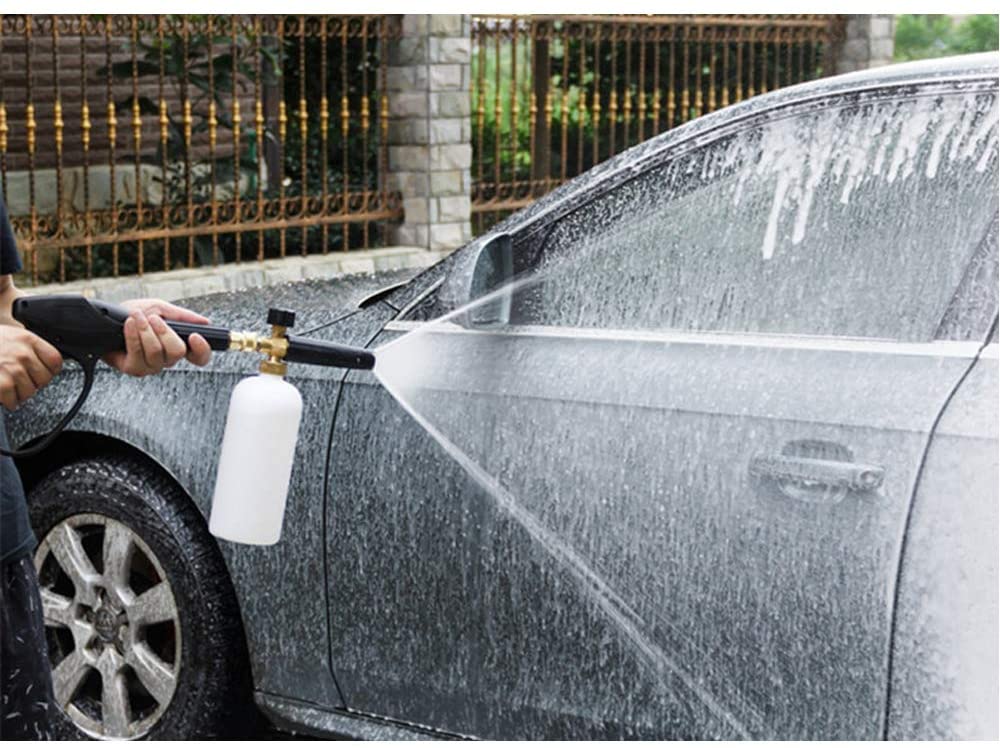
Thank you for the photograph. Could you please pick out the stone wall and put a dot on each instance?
(868, 42)
(430, 129)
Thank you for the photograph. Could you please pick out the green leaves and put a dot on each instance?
(920, 36)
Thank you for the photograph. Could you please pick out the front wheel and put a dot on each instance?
(144, 634)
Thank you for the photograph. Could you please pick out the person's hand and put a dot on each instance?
(151, 346)
(27, 363)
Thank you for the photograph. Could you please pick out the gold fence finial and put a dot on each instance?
(188, 122)
(164, 121)
(282, 121)
(213, 124)
(112, 124)
(365, 114)
(3, 128)
(85, 125)
(31, 127)
(58, 124)
(136, 123)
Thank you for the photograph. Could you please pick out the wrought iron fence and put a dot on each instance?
(134, 143)
(554, 95)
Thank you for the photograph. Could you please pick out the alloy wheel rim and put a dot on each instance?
(112, 626)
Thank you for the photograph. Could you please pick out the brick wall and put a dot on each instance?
(868, 42)
(430, 150)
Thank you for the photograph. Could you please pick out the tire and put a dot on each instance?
(142, 622)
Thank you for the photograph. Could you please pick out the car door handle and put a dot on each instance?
(803, 474)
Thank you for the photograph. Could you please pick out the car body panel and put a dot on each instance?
(944, 674)
(713, 590)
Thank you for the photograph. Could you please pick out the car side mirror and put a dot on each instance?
(493, 271)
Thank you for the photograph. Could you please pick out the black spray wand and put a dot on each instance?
(84, 330)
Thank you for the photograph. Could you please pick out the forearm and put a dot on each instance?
(8, 292)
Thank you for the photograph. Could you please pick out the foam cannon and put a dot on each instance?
(262, 426)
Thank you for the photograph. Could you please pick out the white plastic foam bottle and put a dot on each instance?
(255, 465)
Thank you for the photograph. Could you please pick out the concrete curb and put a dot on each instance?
(179, 284)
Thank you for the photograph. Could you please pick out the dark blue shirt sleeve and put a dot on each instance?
(10, 260)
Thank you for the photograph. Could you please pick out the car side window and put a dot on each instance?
(857, 216)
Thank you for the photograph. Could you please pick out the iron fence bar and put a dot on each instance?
(85, 127)
(188, 123)
(30, 127)
(383, 111)
(235, 116)
(136, 133)
(57, 125)
(164, 133)
(699, 64)
(345, 127)
(258, 111)
(365, 121)
(126, 220)
(4, 127)
(282, 134)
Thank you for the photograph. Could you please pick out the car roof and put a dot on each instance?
(984, 63)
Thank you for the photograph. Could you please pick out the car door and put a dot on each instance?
(660, 488)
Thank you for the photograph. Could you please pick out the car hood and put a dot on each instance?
(315, 302)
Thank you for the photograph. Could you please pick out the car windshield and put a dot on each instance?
(857, 219)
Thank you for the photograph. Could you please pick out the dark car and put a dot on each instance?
(714, 455)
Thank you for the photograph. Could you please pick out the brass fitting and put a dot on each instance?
(274, 347)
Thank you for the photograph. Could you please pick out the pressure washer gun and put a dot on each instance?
(264, 411)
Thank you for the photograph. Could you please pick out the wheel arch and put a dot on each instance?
(71, 446)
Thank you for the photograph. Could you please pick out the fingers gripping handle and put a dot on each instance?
(217, 337)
